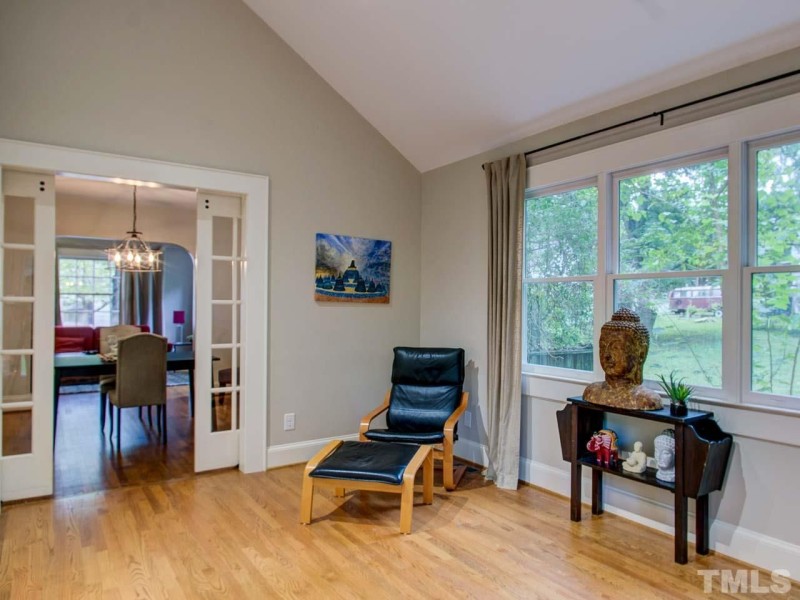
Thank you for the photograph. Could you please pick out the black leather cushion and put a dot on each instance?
(367, 461)
(424, 437)
(427, 386)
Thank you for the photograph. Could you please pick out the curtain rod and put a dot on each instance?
(660, 113)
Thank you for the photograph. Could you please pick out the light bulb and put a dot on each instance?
(137, 259)
(150, 258)
(130, 256)
(117, 257)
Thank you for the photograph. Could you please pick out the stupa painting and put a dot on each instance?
(351, 269)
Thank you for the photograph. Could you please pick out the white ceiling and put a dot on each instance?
(443, 80)
(99, 189)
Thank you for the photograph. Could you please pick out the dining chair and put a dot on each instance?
(141, 379)
(107, 381)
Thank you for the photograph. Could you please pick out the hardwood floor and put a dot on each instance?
(87, 461)
(229, 535)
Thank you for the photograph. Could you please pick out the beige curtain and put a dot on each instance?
(505, 185)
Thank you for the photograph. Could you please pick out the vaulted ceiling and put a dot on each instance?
(443, 80)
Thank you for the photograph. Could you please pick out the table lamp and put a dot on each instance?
(178, 319)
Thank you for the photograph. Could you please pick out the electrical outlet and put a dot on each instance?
(467, 418)
(288, 422)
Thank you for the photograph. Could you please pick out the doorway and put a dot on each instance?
(249, 441)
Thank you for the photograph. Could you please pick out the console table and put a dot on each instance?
(702, 450)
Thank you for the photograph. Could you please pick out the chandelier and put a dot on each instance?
(133, 253)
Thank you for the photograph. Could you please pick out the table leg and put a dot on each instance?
(681, 502)
(191, 392)
(575, 493)
(597, 492)
(56, 388)
(701, 525)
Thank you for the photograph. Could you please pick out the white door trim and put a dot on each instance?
(254, 190)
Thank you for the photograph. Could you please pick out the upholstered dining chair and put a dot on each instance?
(107, 381)
(424, 404)
(141, 379)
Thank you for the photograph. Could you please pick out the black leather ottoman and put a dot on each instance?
(370, 466)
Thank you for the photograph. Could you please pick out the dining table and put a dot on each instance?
(81, 364)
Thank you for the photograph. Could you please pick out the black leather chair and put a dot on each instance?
(424, 404)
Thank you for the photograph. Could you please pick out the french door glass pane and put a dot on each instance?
(674, 220)
(222, 236)
(18, 221)
(223, 376)
(560, 324)
(17, 272)
(561, 234)
(222, 279)
(778, 198)
(776, 333)
(17, 428)
(222, 324)
(17, 379)
(17, 325)
(684, 317)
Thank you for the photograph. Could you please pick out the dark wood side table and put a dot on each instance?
(702, 451)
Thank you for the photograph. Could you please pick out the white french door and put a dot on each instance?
(218, 333)
(27, 309)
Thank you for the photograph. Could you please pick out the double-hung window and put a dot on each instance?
(772, 279)
(560, 266)
(697, 230)
(88, 292)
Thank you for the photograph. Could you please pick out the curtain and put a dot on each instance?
(58, 291)
(140, 299)
(505, 186)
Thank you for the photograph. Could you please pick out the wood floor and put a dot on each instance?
(86, 460)
(229, 535)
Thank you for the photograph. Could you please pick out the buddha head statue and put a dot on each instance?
(624, 342)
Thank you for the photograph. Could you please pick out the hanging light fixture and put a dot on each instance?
(133, 253)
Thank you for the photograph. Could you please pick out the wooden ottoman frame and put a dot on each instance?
(423, 457)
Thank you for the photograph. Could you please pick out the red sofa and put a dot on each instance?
(78, 339)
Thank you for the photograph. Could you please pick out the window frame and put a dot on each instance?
(740, 134)
(116, 277)
(752, 268)
(532, 194)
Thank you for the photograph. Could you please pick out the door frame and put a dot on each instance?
(254, 191)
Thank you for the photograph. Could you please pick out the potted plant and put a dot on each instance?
(678, 393)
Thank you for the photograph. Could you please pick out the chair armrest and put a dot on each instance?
(450, 424)
(322, 455)
(367, 419)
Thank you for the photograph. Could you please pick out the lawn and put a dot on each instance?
(692, 346)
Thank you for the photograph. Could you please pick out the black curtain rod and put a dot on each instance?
(660, 113)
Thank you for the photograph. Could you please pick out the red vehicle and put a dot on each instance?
(703, 297)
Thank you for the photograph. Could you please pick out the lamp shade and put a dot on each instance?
(179, 317)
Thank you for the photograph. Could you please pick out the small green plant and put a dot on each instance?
(677, 391)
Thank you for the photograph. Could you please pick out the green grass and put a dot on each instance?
(692, 347)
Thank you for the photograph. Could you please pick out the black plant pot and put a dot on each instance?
(678, 410)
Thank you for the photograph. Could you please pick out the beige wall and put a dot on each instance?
(205, 82)
(86, 217)
(755, 505)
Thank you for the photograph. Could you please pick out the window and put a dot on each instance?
(560, 267)
(774, 279)
(672, 249)
(88, 292)
(703, 244)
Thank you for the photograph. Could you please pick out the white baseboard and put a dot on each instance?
(283, 455)
(731, 540)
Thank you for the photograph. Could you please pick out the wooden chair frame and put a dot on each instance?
(450, 474)
(423, 458)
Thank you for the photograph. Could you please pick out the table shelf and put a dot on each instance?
(702, 451)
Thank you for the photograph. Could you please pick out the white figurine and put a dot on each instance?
(636, 461)
(665, 455)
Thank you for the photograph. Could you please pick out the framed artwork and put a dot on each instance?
(352, 269)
